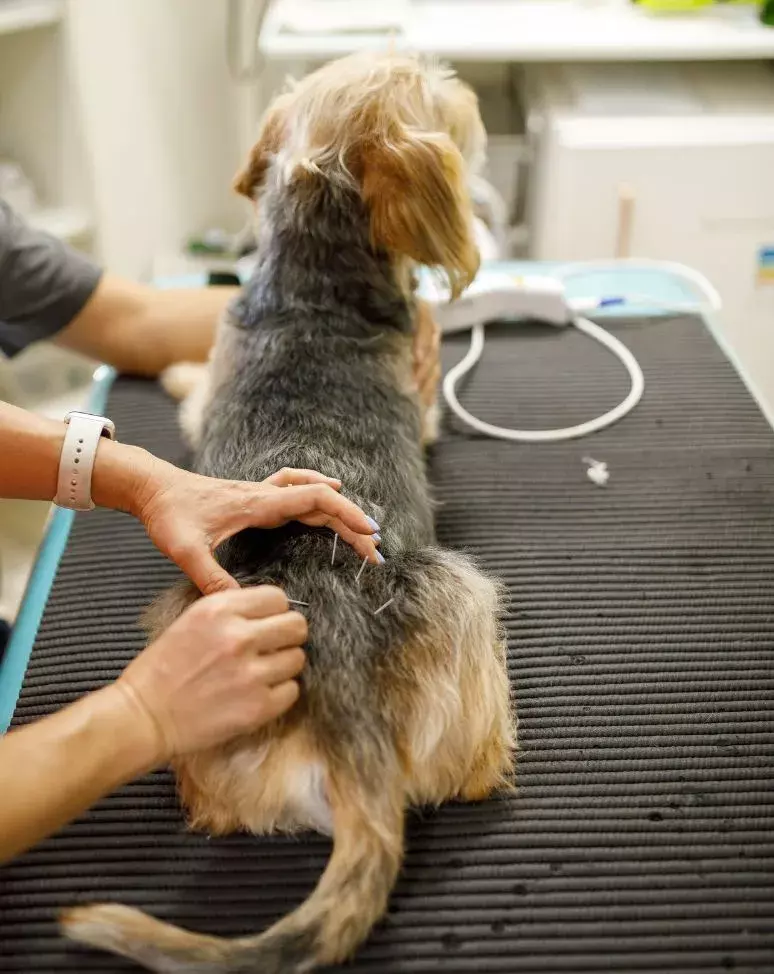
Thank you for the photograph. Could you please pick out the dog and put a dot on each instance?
(359, 174)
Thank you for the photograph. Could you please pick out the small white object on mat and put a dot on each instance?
(597, 471)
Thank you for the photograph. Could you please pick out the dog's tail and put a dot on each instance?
(350, 897)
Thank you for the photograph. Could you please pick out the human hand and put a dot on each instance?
(225, 667)
(187, 516)
(427, 361)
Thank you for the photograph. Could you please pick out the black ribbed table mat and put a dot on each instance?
(641, 627)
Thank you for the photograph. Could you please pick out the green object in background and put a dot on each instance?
(674, 6)
(213, 243)
(692, 6)
(767, 12)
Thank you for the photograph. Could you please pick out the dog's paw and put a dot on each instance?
(179, 380)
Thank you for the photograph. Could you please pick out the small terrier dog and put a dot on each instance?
(359, 173)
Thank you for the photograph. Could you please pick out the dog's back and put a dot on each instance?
(405, 696)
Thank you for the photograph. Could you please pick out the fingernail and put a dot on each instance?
(373, 524)
(380, 557)
(334, 480)
(376, 538)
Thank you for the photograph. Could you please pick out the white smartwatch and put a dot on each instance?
(79, 451)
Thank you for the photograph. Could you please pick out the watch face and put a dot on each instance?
(108, 426)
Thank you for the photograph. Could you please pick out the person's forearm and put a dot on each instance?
(142, 330)
(31, 445)
(53, 770)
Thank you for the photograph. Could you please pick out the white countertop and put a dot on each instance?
(513, 30)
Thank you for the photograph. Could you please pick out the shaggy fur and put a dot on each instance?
(359, 174)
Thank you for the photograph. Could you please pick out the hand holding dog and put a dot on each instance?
(187, 516)
(226, 666)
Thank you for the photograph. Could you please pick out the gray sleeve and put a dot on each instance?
(43, 283)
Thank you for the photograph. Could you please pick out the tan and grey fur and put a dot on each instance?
(359, 175)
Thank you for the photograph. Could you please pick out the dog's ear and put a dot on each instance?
(270, 138)
(415, 187)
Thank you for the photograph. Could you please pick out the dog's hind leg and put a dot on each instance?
(492, 767)
(273, 780)
(460, 735)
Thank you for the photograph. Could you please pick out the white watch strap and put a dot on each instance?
(76, 463)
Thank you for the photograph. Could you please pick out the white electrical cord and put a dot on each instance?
(698, 281)
(546, 436)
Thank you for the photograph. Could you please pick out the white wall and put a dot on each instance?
(158, 114)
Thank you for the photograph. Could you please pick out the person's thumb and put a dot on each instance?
(204, 571)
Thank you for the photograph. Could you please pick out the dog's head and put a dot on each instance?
(403, 134)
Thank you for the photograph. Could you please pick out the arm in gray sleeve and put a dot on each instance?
(43, 283)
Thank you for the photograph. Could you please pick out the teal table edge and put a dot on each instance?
(13, 665)
(658, 285)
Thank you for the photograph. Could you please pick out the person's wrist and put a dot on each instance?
(138, 742)
(125, 477)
